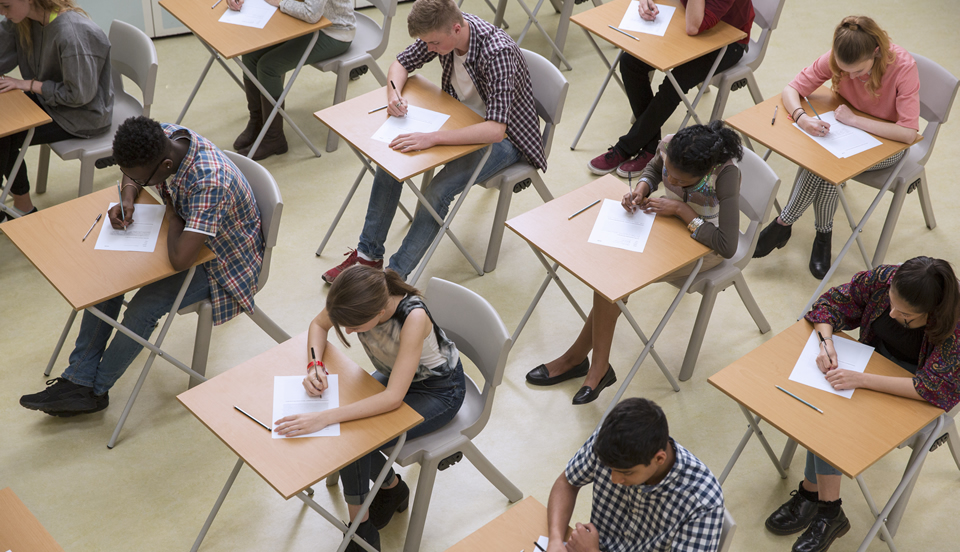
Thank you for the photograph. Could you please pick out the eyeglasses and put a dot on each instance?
(143, 183)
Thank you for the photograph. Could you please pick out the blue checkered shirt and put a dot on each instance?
(681, 513)
(214, 198)
(498, 70)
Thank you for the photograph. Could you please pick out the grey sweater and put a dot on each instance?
(339, 12)
(71, 58)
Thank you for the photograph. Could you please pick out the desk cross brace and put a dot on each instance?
(12, 211)
(532, 19)
(754, 428)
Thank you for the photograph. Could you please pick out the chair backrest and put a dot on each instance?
(758, 190)
(549, 93)
(474, 325)
(938, 89)
(767, 17)
(726, 533)
(389, 9)
(267, 195)
(133, 55)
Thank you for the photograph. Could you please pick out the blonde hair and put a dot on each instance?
(856, 39)
(59, 6)
(427, 16)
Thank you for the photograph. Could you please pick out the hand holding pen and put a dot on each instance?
(648, 10)
(827, 358)
(636, 198)
(315, 382)
(396, 105)
(121, 214)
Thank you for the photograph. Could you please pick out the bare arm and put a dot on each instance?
(397, 74)
(884, 129)
(694, 16)
(563, 497)
(182, 246)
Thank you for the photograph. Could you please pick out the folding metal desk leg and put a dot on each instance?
(13, 212)
(754, 427)
(789, 450)
(563, 28)
(643, 339)
(343, 208)
(59, 347)
(691, 108)
(853, 227)
(214, 56)
(532, 18)
(217, 505)
(596, 100)
(551, 275)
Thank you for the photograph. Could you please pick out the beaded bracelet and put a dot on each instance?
(795, 119)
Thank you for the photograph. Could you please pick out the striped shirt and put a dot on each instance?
(500, 74)
(681, 513)
(214, 198)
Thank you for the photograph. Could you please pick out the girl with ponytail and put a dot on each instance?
(874, 76)
(698, 168)
(414, 360)
(909, 314)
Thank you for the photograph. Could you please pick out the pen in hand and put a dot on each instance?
(399, 103)
(123, 216)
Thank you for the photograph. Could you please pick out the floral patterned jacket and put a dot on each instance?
(864, 299)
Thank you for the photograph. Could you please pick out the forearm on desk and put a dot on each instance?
(487, 132)
(892, 385)
(886, 129)
(694, 16)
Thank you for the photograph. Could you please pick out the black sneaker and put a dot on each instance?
(65, 398)
(822, 532)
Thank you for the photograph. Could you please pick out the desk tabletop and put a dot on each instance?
(85, 276)
(18, 113)
(291, 465)
(851, 434)
(231, 40)
(351, 122)
(516, 529)
(19, 530)
(614, 273)
(665, 52)
(791, 142)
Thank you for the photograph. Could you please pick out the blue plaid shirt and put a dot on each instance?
(214, 198)
(681, 513)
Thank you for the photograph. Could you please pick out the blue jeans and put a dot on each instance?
(436, 399)
(92, 363)
(450, 181)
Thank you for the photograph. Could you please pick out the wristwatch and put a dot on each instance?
(694, 224)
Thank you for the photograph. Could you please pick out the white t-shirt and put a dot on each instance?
(463, 85)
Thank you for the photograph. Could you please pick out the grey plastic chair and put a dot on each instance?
(132, 55)
(368, 45)
(726, 533)
(758, 189)
(767, 16)
(267, 195)
(549, 94)
(938, 89)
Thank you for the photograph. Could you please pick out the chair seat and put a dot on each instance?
(124, 107)
(414, 449)
(911, 170)
(520, 170)
(367, 38)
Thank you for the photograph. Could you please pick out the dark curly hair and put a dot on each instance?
(632, 434)
(698, 148)
(139, 142)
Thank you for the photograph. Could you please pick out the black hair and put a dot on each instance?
(633, 433)
(930, 286)
(698, 148)
(139, 142)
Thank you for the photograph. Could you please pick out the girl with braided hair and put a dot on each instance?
(875, 76)
(698, 168)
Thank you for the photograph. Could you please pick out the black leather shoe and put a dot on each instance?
(389, 501)
(822, 532)
(540, 375)
(774, 236)
(794, 515)
(367, 532)
(820, 255)
(587, 394)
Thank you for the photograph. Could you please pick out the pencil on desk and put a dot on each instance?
(621, 31)
(217, 4)
(242, 411)
(381, 108)
(91, 227)
(799, 399)
(584, 209)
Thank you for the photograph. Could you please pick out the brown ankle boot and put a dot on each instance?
(255, 124)
(274, 142)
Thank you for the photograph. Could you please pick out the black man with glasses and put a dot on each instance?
(210, 203)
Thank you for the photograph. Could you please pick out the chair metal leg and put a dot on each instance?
(421, 503)
(541, 187)
(953, 440)
(723, 92)
(217, 504)
(896, 513)
(496, 233)
(59, 347)
(266, 324)
(493, 475)
(925, 204)
(201, 345)
(707, 302)
(893, 214)
(87, 166)
(754, 88)
(43, 168)
(752, 307)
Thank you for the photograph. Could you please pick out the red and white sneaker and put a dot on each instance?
(606, 163)
(352, 259)
(635, 166)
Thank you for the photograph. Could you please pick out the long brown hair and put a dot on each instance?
(930, 286)
(59, 6)
(856, 39)
(359, 294)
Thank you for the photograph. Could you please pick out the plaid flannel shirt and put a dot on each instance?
(682, 513)
(214, 198)
(498, 70)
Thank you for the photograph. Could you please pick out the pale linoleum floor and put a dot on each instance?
(152, 492)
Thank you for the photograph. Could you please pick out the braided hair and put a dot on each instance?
(698, 148)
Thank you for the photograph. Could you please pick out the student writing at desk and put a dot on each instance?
(637, 147)
(649, 493)
(209, 202)
(64, 59)
(271, 63)
(876, 77)
(413, 358)
(911, 315)
(483, 68)
(698, 167)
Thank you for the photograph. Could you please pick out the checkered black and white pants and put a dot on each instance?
(810, 188)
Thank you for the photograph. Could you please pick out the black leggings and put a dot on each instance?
(10, 148)
(652, 111)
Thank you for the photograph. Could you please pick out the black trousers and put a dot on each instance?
(10, 148)
(652, 111)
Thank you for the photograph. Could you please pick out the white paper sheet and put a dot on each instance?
(633, 22)
(418, 119)
(290, 398)
(543, 541)
(140, 236)
(254, 13)
(843, 140)
(617, 227)
(851, 355)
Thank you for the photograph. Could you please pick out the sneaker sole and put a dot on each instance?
(599, 172)
(631, 174)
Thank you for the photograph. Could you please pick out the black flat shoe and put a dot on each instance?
(587, 394)
(822, 532)
(540, 376)
(774, 236)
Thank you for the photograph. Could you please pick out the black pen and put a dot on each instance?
(537, 544)
(252, 418)
(399, 97)
(813, 108)
(775, 109)
(823, 342)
